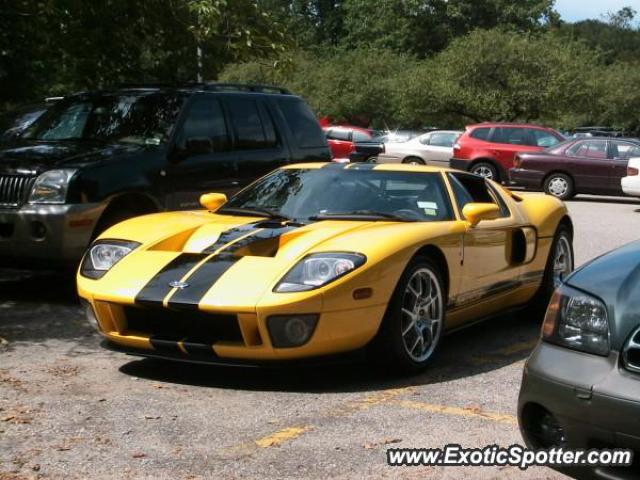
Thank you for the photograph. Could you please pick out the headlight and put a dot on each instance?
(577, 320)
(103, 255)
(51, 186)
(317, 270)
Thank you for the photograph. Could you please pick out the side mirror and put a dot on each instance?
(213, 201)
(476, 212)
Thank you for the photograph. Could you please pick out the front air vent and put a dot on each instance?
(631, 352)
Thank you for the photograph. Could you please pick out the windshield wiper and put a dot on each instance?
(361, 215)
(258, 212)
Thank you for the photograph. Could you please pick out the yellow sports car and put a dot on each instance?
(318, 259)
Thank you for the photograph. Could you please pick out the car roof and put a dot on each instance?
(508, 124)
(149, 88)
(387, 167)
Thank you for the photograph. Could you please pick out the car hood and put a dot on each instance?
(36, 157)
(615, 278)
(229, 262)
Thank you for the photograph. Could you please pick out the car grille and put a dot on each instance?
(14, 189)
(631, 352)
(196, 327)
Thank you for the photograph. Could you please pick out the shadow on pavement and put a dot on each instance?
(484, 347)
(38, 306)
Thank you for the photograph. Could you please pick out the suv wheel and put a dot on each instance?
(486, 170)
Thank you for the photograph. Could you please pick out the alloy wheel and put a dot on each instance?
(562, 260)
(422, 314)
(483, 171)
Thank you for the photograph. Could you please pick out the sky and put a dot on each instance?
(576, 10)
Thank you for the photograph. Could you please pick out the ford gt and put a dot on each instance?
(320, 259)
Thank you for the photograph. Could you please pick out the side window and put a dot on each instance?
(359, 136)
(596, 149)
(205, 125)
(481, 133)
(544, 139)
(472, 189)
(302, 122)
(512, 136)
(252, 130)
(443, 139)
(624, 149)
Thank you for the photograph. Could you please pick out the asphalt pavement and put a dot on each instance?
(69, 409)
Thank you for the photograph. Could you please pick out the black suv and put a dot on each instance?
(94, 159)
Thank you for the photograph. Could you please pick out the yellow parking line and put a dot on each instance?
(281, 436)
(474, 412)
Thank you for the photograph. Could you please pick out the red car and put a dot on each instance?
(342, 137)
(489, 149)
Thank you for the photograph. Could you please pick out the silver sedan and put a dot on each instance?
(433, 148)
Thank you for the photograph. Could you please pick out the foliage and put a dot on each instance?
(397, 63)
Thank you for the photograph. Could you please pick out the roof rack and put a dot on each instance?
(221, 87)
(156, 85)
(247, 87)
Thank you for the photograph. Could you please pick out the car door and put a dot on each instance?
(490, 277)
(620, 152)
(257, 147)
(200, 158)
(438, 147)
(589, 165)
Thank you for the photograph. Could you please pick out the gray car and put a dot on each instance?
(581, 385)
(433, 148)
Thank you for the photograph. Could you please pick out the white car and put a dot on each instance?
(631, 183)
(433, 148)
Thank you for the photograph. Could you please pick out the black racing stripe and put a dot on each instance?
(201, 281)
(158, 287)
(205, 277)
(230, 236)
(268, 231)
(166, 343)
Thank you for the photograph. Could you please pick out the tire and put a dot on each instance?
(553, 273)
(414, 161)
(559, 185)
(486, 170)
(408, 323)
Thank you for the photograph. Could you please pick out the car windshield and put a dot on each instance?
(335, 192)
(144, 119)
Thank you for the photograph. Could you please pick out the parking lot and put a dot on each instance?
(69, 409)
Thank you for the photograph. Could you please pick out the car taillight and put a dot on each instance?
(456, 146)
(632, 172)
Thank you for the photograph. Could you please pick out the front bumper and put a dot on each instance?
(225, 337)
(526, 178)
(46, 235)
(596, 403)
(631, 185)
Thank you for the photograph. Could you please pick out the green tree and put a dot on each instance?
(506, 76)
